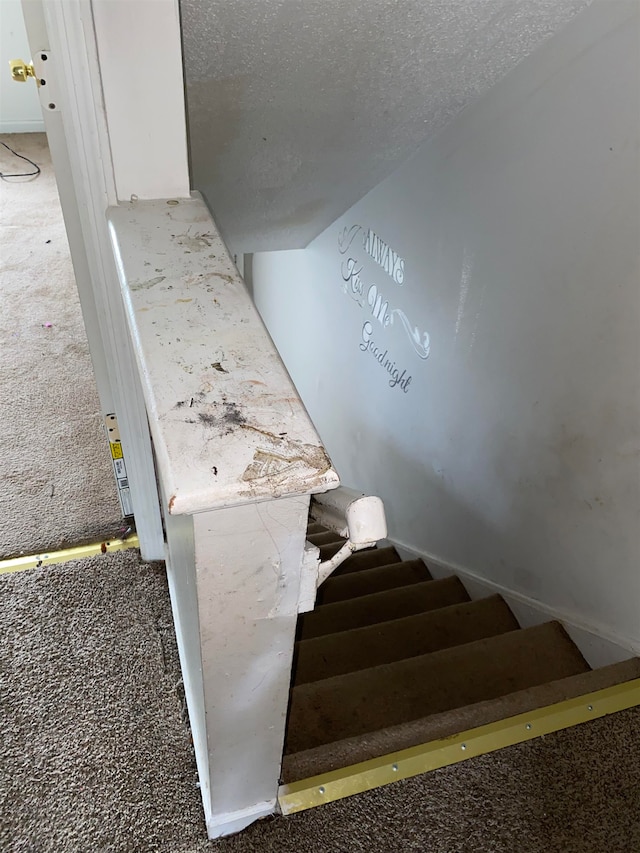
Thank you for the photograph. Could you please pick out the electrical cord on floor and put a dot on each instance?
(4, 175)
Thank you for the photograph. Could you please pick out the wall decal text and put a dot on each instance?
(382, 254)
(352, 243)
(369, 345)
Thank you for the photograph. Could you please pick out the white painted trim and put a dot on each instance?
(181, 585)
(28, 126)
(235, 629)
(83, 151)
(599, 645)
(140, 50)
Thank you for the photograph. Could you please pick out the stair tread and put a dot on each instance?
(381, 607)
(343, 753)
(366, 559)
(376, 579)
(325, 537)
(327, 551)
(410, 636)
(390, 694)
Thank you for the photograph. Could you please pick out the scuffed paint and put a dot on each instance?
(216, 390)
(278, 467)
(465, 283)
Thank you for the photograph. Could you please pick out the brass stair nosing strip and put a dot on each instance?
(357, 778)
(35, 561)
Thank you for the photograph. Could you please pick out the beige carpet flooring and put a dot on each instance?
(95, 754)
(57, 483)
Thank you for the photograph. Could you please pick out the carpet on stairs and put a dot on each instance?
(391, 658)
(96, 754)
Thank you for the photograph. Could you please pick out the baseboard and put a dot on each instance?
(598, 644)
(29, 126)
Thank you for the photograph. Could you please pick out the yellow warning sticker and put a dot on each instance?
(116, 449)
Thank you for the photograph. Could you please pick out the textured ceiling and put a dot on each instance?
(297, 108)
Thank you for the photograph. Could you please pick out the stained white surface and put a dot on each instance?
(235, 578)
(297, 108)
(515, 452)
(248, 566)
(227, 424)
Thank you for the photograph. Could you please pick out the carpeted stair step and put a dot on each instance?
(368, 581)
(327, 551)
(362, 702)
(343, 753)
(362, 560)
(325, 537)
(385, 642)
(381, 607)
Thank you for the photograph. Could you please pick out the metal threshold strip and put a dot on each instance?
(328, 787)
(35, 561)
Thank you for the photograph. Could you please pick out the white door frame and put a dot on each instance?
(118, 128)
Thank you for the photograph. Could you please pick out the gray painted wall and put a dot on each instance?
(514, 451)
(297, 108)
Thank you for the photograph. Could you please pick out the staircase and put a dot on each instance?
(391, 658)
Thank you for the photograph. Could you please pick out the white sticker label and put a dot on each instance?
(125, 498)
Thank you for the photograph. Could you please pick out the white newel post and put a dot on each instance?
(244, 568)
(234, 576)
